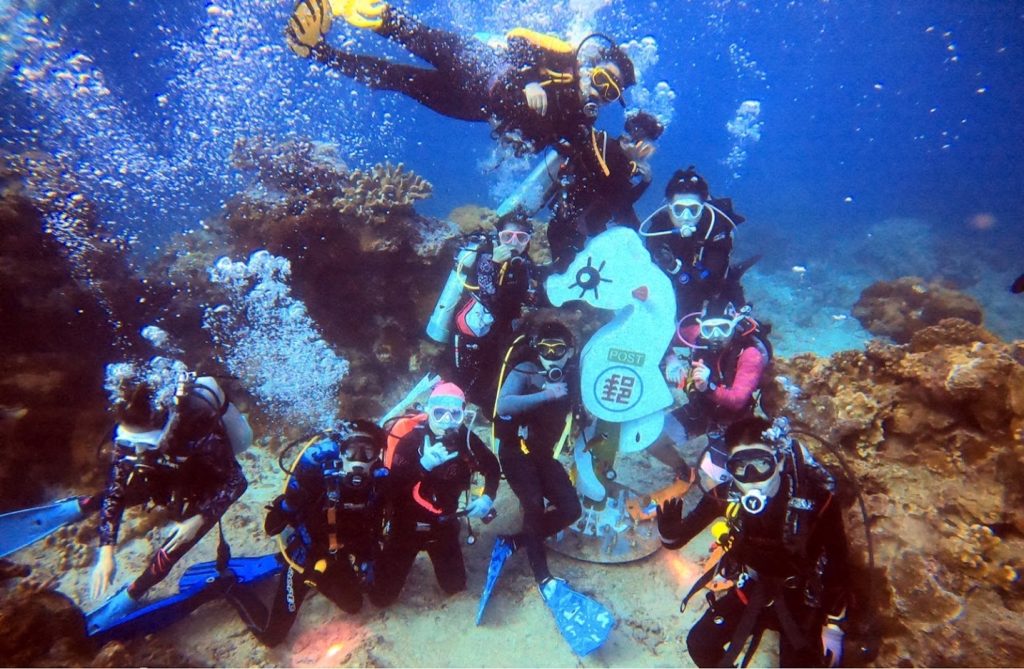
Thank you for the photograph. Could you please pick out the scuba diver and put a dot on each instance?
(431, 461)
(729, 352)
(537, 406)
(533, 420)
(602, 180)
(172, 447)
(333, 504)
(499, 285)
(535, 92)
(691, 239)
(785, 552)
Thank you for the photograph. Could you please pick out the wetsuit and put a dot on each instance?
(530, 427)
(424, 504)
(699, 264)
(602, 185)
(337, 524)
(736, 374)
(471, 81)
(197, 474)
(792, 559)
(503, 290)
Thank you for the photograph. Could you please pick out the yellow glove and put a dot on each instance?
(307, 26)
(360, 13)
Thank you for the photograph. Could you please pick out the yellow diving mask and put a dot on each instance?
(606, 84)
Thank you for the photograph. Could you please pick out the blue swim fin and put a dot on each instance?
(503, 548)
(584, 622)
(199, 584)
(19, 529)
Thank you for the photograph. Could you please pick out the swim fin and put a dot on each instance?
(503, 548)
(19, 529)
(585, 623)
(360, 13)
(199, 584)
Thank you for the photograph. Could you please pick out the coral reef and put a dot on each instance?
(934, 433)
(897, 309)
(382, 192)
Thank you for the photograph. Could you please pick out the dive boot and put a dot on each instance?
(19, 529)
(584, 622)
(504, 546)
(111, 612)
(361, 13)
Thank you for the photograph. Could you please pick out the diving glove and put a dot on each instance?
(309, 22)
(360, 13)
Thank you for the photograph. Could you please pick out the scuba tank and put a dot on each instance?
(535, 191)
(439, 327)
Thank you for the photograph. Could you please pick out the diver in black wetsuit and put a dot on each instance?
(334, 501)
(431, 466)
(602, 180)
(534, 418)
(691, 239)
(785, 551)
(536, 92)
(500, 289)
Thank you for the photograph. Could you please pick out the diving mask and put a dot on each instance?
(360, 450)
(686, 210)
(444, 414)
(752, 465)
(138, 440)
(756, 475)
(606, 84)
(552, 349)
(717, 329)
(518, 238)
(553, 355)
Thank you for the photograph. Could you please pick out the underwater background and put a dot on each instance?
(143, 142)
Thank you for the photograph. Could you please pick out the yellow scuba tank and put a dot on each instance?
(439, 327)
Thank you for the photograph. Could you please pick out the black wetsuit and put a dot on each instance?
(471, 81)
(197, 474)
(601, 186)
(699, 264)
(334, 522)
(424, 504)
(792, 578)
(504, 290)
(530, 427)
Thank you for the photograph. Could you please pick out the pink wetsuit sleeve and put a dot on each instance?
(748, 375)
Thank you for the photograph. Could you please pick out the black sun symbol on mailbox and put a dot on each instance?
(589, 278)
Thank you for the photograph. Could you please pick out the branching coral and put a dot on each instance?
(382, 191)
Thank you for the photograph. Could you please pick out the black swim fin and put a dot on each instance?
(201, 583)
(585, 623)
(19, 529)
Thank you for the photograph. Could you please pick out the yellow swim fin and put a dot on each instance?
(309, 22)
(360, 13)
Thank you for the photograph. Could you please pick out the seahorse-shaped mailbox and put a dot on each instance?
(620, 375)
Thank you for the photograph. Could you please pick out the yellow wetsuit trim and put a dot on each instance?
(599, 152)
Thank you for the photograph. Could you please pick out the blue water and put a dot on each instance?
(870, 110)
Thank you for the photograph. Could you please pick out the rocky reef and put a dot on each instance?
(932, 431)
(899, 309)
